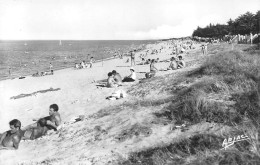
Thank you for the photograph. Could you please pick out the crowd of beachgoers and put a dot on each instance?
(179, 48)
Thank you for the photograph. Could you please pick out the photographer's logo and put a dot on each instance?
(230, 141)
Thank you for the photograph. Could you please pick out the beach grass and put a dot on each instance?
(224, 90)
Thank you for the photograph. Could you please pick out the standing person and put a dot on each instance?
(65, 59)
(10, 139)
(206, 48)
(91, 61)
(132, 58)
(177, 50)
(203, 48)
(153, 70)
(9, 71)
(50, 66)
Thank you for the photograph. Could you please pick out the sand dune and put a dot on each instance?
(99, 138)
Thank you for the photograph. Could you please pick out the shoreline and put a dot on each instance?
(16, 76)
(59, 69)
(68, 79)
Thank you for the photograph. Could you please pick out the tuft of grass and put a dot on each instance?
(225, 90)
(135, 130)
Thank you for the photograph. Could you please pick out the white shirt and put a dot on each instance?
(133, 75)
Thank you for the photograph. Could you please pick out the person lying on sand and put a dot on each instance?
(181, 63)
(131, 77)
(153, 70)
(39, 131)
(111, 83)
(10, 139)
(36, 74)
(77, 66)
(48, 73)
(53, 121)
(117, 77)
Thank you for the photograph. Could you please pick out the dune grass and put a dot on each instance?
(224, 90)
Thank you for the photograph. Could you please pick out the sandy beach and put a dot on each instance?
(80, 95)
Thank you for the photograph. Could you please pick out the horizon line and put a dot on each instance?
(76, 39)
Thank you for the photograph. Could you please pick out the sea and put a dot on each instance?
(22, 58)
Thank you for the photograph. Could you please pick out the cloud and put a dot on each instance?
(184, 28)
(113, 19)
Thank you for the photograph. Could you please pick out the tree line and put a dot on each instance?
(245, 24)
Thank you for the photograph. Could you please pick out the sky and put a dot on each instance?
(114, 19)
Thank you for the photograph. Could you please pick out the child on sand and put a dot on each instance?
(131, 77)
(10, 139)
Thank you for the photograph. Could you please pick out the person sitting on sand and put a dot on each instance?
(77, 66)
(181, 63)
(111, 83)
(173, 64)
(10, 139)
(148, 61)
(53, 120)
(83, 64)
(131, 77)
(182, 49)
(117, 77)
(153, 70)
(39, 131)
